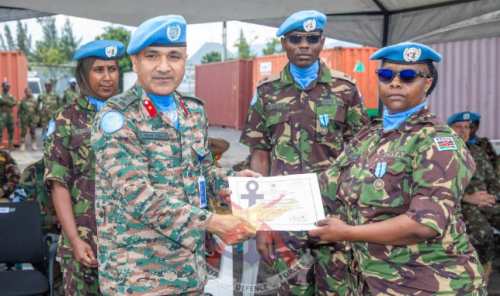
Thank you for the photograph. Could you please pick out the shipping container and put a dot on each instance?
(352, 61)
(469, 80)
(226, 88)
(14, 69)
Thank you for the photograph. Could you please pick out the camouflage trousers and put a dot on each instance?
(7, 122)
(78, 279)
(306, 268)
(31, 125)
(480, 223)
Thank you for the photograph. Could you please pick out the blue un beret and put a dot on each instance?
(407, 53)
(72, 80)
(463, 116)
(309, 20)
(166, 30)
(101, 49)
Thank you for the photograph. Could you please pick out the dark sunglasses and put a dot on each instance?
(297, 39)
(406, 76)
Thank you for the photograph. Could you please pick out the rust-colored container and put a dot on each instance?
(340, 59)
(226, 88)
(14, 68)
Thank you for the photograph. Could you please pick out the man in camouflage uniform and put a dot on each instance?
(298, 122)
(32, 184)
(153, 160)
(480, 209)
(483, 142)
(400, 181)
(50, 103)
(9, 175)
(27, 117)
(7, 103)
(71, 93)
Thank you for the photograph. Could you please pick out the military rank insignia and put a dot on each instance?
(151, 108)
(445, 143)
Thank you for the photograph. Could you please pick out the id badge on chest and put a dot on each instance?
(201, 186)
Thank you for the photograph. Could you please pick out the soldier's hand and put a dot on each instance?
(265, 246)
(231, 229)
(480, 199)
(330, 229)
(83, 253)
(248, 173)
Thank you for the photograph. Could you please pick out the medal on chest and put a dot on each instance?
(379, 173)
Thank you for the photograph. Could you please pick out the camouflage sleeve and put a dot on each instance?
(497, 169)
(438, 182)
(13, 102)
(492, 182)
(12, 175)
(124, 166)
(328, 182)
(57, 158)
(27, 182)
(255, 134)
(356, 116)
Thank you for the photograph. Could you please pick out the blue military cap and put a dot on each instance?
(474, 117)
(407, 53)
(101, 49)
(72, 80)
(166, 30)
(308, 20)
(461, 116)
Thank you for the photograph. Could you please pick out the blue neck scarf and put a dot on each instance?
(167, 106)
(473, 140)
(395, 120)
(304, 76)
(96, 102)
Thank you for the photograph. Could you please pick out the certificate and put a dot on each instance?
(284, 203)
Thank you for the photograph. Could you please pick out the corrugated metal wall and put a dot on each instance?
(469, 80)
(14, 67)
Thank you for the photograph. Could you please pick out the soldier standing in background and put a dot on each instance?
(71, 93)
(7, 102)
(482, 142)
(27, 118)
(50, 103)
(9, 175)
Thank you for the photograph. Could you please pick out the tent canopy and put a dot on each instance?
(367, 22)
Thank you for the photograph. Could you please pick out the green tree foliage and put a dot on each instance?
(8, 43)
(23, 39)
(68, 43)
(211, 57)
(243, 47)
(273, 46)
(123, 35)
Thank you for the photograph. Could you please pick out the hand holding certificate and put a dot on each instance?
(284, 203)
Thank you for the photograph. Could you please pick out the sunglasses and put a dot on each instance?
(297, 39)
(406, 76)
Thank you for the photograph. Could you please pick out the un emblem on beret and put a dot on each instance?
(466, 116)
(412, 54)
(309, 25)
(111, 51)
(173, 32)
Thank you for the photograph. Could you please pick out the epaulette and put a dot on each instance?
(122, 100)
(342, 75)
(274, 77)
(200, 101)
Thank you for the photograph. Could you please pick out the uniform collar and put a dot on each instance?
(324, 75)
(143, 96)
(83, 102)
(421, 116)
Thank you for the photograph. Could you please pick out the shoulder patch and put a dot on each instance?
(445, 143)
(342, 75)
(122, 100)
(274, 77)
(254, 98)
(112, 121)
(200, 101)
(51, 128)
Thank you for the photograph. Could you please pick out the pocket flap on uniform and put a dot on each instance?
(277, 116)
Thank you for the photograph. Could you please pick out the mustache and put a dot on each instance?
(163, 76)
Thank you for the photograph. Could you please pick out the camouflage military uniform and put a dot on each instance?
(9, 174)
(70, 160)
(32, 183)
(150, 227)
(485, 144)
(27, 115)
(423, 181)
(50, 103)
(479, 220)
(7, 102)
(284, 120)
(69, 95)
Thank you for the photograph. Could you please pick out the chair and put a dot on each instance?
(21, 241)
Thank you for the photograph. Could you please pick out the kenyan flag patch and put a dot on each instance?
(445, 143)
